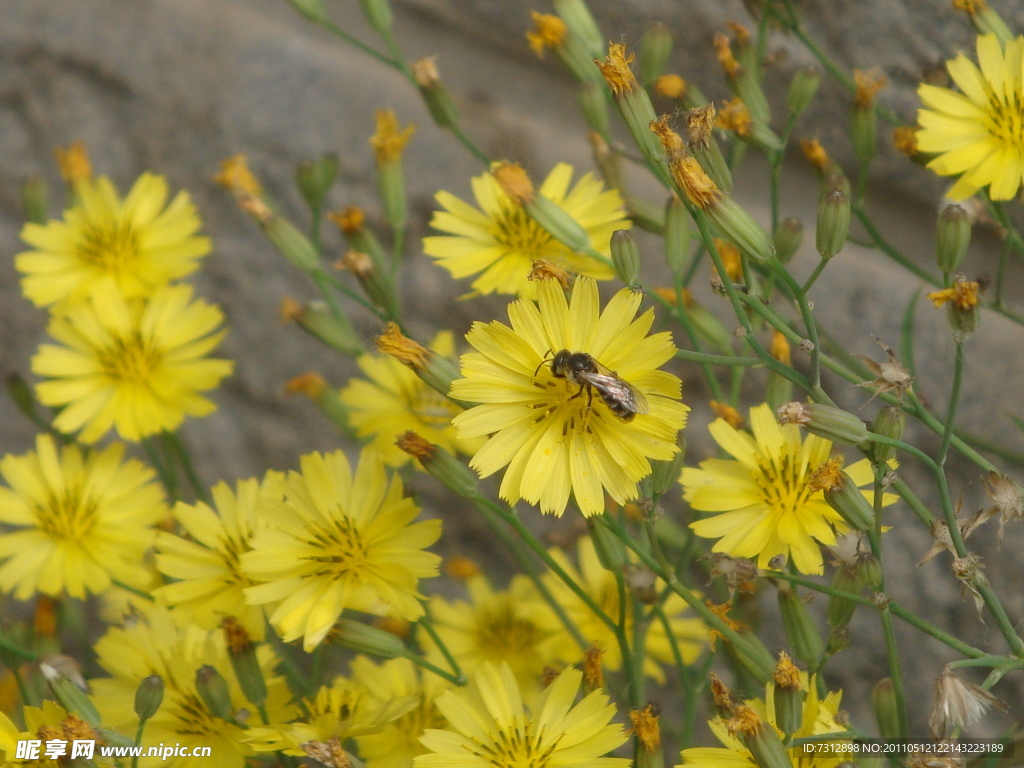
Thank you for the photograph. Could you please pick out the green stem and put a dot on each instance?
(419, 661)
(684, 320)
(1004, 257)
(134, 590)
(8, 647)
(710, 359)
(167, 478)
(449, 659)
(178, 448)
(138, 741)
(954, 397)
(814, 275)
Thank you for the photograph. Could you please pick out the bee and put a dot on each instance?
(581, 369)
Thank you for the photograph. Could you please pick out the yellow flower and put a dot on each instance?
(339, 541)
(398, 742)
(153, 645)
(501, 241)
(601, 586)
(510, 625)
(978, 133)
(393, 400)
(137, 242)
(82, 520)
(209, 584)
(764, 504)
(135, 366)
(489, 726)
(555, 438)
(342, 710)
(818, 717)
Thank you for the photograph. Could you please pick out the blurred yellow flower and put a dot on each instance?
(501, 241)
(135, 366)
(153, 645)
(489, 727)
(82, 519)
(393, 400)
(339, 540)
(556, 438)
(689, 632)
(208, 581)
(140, 242)
(762, 502)
(978, 133)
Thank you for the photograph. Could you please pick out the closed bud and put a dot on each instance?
(952, 236)
(633, 102)
(864, 130)
(317, 319)
(655, 48)
(33, 199)
(611, 552)
(242, 654)
(843, 495)
(664, 474)
(594, 105)
(869, 569)
(789, 236)
(737, 226)
(315, 178)
(435, 95)
(213, 690)
(366, 639)
(987, 21)
(700, 123)
(378, 13)
(802, 89)
(803, 636)
(69, 695)
(838, 640)
(883, 702)
(148, 696)
(710, 329)
(581, 25)
(889, 422)
(558, 223)
(677, 235)
(789, 696)
(625, 256)
(314, 10)
(840, 610)
(833, 222)
(825, 421)
(439, 463)
(291, 243)
(760, 738)
(376, 284)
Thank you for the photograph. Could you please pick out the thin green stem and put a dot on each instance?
(710, 359)
(448, 657)
(814, 275)
(954, 398)
(167, 478)
(138, 741)
(332, 27)
(684, 320)
(1004, 257)
(8, 647)
(134, 590)
(177, 447)
(419, 661)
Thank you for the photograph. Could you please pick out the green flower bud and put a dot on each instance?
(963, 322)
(611, 552)
(987, 22)
(315, 179)
(69, 695)
(625, 256)
(737, 226)
(391, 183)
(789, 696)
(826, 421)
(557, 223)
(952, 236)
(581, 25)
(292, 244)
(864, 129)
(869, 569)
(709, 327)
(840, 610)
(594, 104)
(803, 636)
(213, 690)
(664, 474)
(352, 223)
(435, 95)
(747, 87)
(378, 13)
(778, 390)
(753, 655)
(760, 738)
(314, 10)
(376, 284)
(802, 89)
(242, 654)
(677, 235)
(366, 639)
(838, 639)
(148, 696)
(33, 199)
(317, 319)
(843, 495)
(441, 464)
(833, 223)
(889, 422)
(789, 236)
(883, 701)
(655, 48)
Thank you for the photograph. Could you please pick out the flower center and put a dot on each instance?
(504, 635)
(130, 360)
(515, 746)
(1005, 119)
(515, 230)
(67, 517)
(783, 484)
(344, 550)
(110, 248)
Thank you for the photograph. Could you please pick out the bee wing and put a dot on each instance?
(615, 386)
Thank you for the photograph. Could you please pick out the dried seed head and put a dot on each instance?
(958, 704)
(734, 116)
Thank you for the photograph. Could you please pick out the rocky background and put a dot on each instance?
(174, 86)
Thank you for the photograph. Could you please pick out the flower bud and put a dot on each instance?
(625, 256)
(869, 570)
(581, 25)
(840, 610)
(737, 226)
(709, 327)
(843, 495)
(838, 640)
(825, 421)
(314, 10)
(611, 552)
(315, 179)
(789, 697)
(700, 123)
(558, 223)
(366, 639)
(758, 737)
(33, 199)
(985, 20)
(435, 95)
(789, 235)
(833, 223)
(69, 695)
(291, 243)
(677, 235)
(864, 129)
(594, 105)
(317, 319)
(378, 13)
(655, 48)
(242, 654)
(803, 636)
(376, 284)
(889, 422)
(148, 696)
(664, 474)
(439, 463)
(883, 701)
(952, 236)
(802, 89)
(213, 690)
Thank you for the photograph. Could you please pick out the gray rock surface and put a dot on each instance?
(174, 86)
